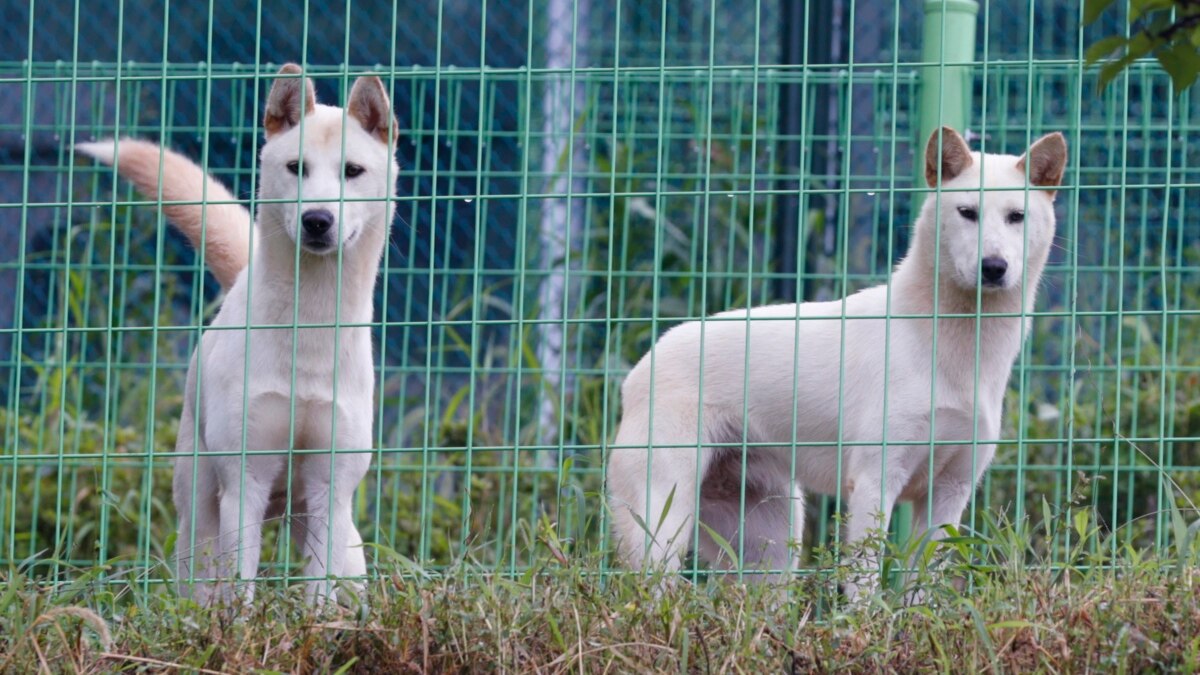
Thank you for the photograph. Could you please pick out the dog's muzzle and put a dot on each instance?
(992, 270)
(318, 230)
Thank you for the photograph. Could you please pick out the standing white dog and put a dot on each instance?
(327, 185)
(819, 372)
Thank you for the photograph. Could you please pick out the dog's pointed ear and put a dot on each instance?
(369, 104)
(955, 156)
(290, 99)
(1047, 159)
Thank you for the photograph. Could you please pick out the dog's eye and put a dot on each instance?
(968, 213)
(1015, 217)
(296, 168)
(353, 170)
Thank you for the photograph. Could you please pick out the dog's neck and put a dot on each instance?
(275, 269)
(997, 333)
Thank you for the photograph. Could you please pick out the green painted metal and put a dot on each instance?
(947, 37)
(674, 197)
(948, 43)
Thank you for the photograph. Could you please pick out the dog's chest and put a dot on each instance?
(313, 361)
(298, 354)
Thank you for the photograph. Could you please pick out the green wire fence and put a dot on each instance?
(556, 214)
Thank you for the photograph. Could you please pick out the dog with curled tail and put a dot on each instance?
(808, 384)
(282, 382)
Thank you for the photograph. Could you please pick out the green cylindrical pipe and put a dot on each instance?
(948, 36)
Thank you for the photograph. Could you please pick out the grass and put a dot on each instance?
(1092, 587)
(1110, 609)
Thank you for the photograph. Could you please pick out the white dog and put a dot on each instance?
(254, 396)
(817, 372)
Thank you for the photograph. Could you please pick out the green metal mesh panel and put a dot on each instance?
(658, 155)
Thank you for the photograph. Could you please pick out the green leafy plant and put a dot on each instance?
(1168, 30)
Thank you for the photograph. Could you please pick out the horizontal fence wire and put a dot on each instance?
(659, 160)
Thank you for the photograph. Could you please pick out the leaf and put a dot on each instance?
(1081, 523)
(1014, 623)
(642, 524)
(1139, 8)
(565, 472)
(555, 631)
(662, 517)
(1092, 9)
(1182, 62)
(527, 577)
(1139, 46)
(1102, 49)
(388, 554)
(1179, 527)
(981, 629)
(722, 544)
(452, 406)
(1193, 535)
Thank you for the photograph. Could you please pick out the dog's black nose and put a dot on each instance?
(993, 270)
(317, 222)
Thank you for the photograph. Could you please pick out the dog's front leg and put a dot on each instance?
(243, 506)
(865, 499)
(331, 531)
(331, 528)
(870, 497)
(245, 483)
(949, 493)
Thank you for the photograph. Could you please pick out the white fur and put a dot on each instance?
(281, 379)
(816, 372)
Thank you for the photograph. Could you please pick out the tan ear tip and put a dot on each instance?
(1053, 144)
(373, 82)
(290, 69)
(946, 134)
(944, 130)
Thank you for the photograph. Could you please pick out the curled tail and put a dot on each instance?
(213, 213)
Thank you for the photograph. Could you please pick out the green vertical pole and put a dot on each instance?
(947, 37)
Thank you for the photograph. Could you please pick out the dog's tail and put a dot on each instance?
(209, 214)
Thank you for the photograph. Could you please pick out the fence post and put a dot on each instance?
(807, 37)
(947, 36)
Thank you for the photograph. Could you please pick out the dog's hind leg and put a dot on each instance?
(199, 528)
(194, 490)
(765, 537)
(652, 491)
(356, 557)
